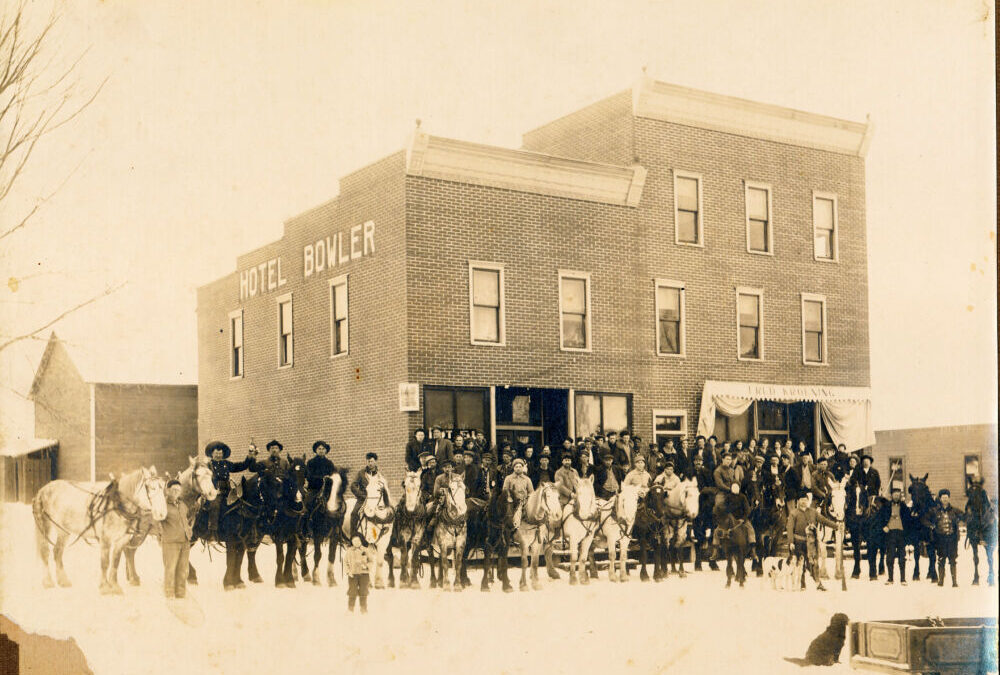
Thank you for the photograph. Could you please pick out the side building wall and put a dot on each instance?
(62, 412)
(350, 400)
(142, 425)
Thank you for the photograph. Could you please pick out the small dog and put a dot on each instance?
(825, 649)
(782, 574)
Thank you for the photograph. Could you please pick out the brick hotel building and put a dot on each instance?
(668, 260)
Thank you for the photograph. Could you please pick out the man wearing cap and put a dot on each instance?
(821, 476)
(506, 458)
(441, 447)
(943, 519)
(274, 465)
(175, 539)
(607, 482)
(566, 479)
(800, 520)
(671, 454)
(840, 464)
(359, 488)
(218, 454)
(725, 475)
(703, 451)
(517, 486)
(638, 476)
(798, 478)
(427, 475)
(318, 467)
(487, 479)
(472, 467)
(668, 479)
(442, 484)
(542, 472)
(461, 463)
(895, 521)
(414, 447)
(584, 466)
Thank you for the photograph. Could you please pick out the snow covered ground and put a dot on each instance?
(691, 625)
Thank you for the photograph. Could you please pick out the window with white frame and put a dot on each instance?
(574, 311)
(236, 344)
(813, 328)
(760, 238)
(486, 303)
(670, 326)
(825, 226)
(667, 425)
(339, 329)
(285, 331)
(750, 323)
(687, 209)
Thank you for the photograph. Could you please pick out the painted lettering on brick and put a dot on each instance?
(339, 249)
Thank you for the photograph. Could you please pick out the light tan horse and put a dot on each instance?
(197, 488)
(377, 515)
(615, 529)
(580, 521)
(107, 513)
(449, 533)
(681, 509)
(540, 519)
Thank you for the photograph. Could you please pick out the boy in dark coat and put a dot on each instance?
(943, 519)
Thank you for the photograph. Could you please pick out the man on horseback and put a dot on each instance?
(317, 468)
(359, 488)
(565, 479)
(724, 476)
(638, 476)
(735, 504)
(274, 465)
(868, 476)
(517, 486)
(218, 453)
(439, 491)
(802, 521)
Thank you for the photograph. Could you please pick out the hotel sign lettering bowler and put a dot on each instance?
(324, 254)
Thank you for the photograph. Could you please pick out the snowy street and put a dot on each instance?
(687, 626)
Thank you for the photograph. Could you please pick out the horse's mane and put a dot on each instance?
(128, 483)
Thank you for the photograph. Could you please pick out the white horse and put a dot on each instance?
(449, 532)
(580, 525)
(615, 527)
(105, 512)
(540, 518)
(377, 514)
(681, 510)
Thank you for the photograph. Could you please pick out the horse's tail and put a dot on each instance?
(41, 526)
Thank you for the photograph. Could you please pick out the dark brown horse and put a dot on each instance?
(323, 520)
(921, 535)
(734, 540)
(981, 528)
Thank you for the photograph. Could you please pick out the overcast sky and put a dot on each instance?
(221, 120)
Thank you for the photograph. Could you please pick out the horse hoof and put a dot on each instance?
(536, 585)
(192, 582)
(484, 588)
(682, 574)
(254, 580)
(134, 582)
(289, 584)
(612, 578)
(459, 588)
(239, 584)
(117, 590)
(105, 589)
(227, 587)
(392, 583)
(625, 579)
(729, 583)
(741, 584)
(523, 586)
(415, 584)
(47, 583)
(64, 582)
(553, 574)
(507, 588)
(378, 584)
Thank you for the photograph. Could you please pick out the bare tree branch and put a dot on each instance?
(108, 291)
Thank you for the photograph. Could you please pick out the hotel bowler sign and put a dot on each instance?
(325, 254)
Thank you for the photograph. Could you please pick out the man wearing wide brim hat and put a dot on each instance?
(274, 465)
(218, 454)
(359, 488)
(318, 467)
(867, 475)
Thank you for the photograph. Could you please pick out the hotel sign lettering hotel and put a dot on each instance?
(324, 254)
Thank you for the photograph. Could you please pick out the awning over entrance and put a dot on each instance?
(846, 411)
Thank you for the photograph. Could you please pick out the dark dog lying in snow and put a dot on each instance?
(825, 649)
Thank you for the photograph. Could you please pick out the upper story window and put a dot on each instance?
(574, 311)
(339, 333)
(813, 329)
(285, 343)
(825, 232)
(687, 209)
(760, 238)
(670, 317)
(236, 344)
(486, 304)
(750, 323)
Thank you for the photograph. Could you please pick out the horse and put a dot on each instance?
(243, 520)
(375, 524)
(615, 527)
(491, 531)
(579, 524)
(449, 532)
(540, 517)
(981, 528)
(106, 512)
(408, 533)
(196, 489)
(680, 510)
(921, 536)
(647, 530)
(834, 507)
(861, 521)
(768, 518)
(285, 529)
(734, 539)
(323, 518)
(701, 529)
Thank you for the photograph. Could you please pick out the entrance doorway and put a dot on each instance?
(527, 415)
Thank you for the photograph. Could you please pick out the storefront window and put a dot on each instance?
(456, 408)
(772, 417)
(600, 413)
(669, 424)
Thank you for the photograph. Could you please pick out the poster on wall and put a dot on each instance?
(409, 397)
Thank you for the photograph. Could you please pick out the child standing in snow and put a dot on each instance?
(357, 562)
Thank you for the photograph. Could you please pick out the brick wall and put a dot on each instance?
(940, 452)
(62, 412)
(351, 401)
(143, 424)
(601, 132)
(625, 249)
